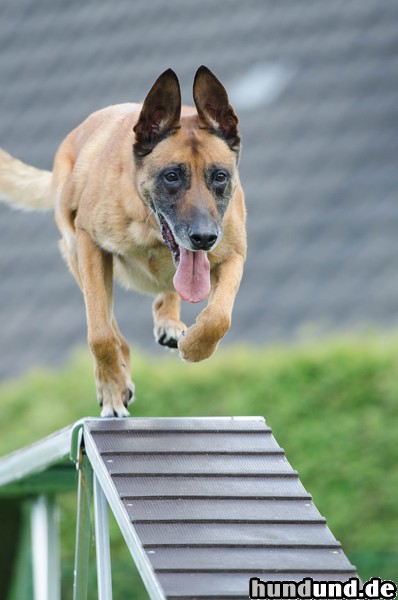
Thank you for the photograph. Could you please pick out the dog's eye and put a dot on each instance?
(220, 177)
(171, 177)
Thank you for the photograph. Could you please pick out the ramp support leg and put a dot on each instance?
(45, 549)
(104, 575)
(83, 531)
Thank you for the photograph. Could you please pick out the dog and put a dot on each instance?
(148, 193)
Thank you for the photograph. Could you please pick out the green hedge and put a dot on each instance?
(332, 405)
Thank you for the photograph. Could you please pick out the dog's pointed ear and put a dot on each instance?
(160, 113)
(214, 109)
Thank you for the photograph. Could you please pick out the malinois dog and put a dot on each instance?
(149, 193)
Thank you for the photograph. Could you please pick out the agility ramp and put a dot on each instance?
(203, 504)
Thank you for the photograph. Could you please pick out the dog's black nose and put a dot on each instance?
(202, 240)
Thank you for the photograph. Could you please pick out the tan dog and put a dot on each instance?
(149, 192)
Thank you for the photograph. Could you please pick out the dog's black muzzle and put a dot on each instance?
(202, 239)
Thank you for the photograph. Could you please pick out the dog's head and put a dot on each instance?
(186, 163)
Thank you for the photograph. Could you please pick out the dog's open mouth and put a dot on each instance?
(192, 277)
(169, 240)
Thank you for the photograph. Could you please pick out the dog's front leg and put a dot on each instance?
(201, 340)
(96, 272)
(166, 318)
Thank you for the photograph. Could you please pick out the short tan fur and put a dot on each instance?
(147, 193)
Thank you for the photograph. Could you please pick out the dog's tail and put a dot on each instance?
(24, 186)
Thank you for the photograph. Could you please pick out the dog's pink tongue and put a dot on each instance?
(192, 278)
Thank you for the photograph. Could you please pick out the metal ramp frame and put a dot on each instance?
(203, 504)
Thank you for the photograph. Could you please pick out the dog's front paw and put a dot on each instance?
(167, 333)
(194, 347)
(201, 340)
(114, 396)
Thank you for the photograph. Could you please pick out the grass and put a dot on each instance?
(333, 407)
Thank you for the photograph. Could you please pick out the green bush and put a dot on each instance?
(333, 407)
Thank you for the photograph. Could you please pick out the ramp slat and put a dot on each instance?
(174, 464)
(219, 509)
(248, 559)
(181, 441)
(238, 487)
(246, 534)
(230, 586)
(183, 424)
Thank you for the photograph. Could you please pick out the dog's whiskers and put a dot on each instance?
(146, 223)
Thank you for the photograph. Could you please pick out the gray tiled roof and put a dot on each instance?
(319, 164)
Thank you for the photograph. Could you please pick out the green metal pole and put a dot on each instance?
(22, 583)
(83, 530)
(102, 546)
(45, 549)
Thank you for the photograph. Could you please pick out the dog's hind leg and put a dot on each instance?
(166, 317)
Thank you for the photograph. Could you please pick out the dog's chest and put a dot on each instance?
(141, 260)
(149, 272)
